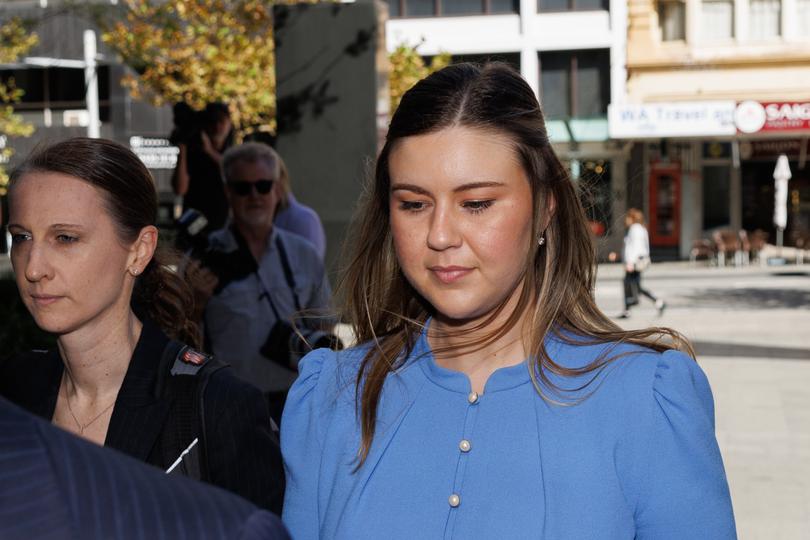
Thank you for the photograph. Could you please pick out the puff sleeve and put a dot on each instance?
(685, 492)
(302, 440)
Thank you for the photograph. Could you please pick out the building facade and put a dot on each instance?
(571, 52)
(57, 102)
(716, 91)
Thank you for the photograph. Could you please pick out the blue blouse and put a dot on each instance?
(637, 459)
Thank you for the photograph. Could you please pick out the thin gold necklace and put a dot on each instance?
(81, 426)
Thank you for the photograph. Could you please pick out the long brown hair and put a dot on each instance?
(131, 200)
(382, 307)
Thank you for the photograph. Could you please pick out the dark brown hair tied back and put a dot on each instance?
(131, 200)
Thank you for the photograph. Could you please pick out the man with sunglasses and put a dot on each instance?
(263, 321)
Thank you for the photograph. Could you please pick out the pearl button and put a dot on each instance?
(464, 445)
(454, 500)
(473, 398)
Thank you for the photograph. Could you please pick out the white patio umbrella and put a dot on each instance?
(781, 175)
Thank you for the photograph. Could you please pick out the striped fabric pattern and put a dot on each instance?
(54, 485)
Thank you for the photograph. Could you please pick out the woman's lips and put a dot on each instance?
(44, 299)
(450, 274)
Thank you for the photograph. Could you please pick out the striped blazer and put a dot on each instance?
(54, 485)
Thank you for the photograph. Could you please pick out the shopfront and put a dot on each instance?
(708, 166)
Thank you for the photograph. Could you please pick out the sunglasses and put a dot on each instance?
(244, 188)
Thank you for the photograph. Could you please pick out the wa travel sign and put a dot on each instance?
(707, 119)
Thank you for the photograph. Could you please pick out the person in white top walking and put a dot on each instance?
(636, 257)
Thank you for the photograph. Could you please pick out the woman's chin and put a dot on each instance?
(54, 325)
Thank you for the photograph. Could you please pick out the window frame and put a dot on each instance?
(486, 6)
(684, 23)
(572, 71)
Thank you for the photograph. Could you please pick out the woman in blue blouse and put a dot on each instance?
(490, 397)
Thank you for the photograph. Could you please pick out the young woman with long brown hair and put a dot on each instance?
(490, 397)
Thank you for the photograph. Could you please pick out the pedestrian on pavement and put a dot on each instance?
(88, 267)
(636, 257)
(489, 396)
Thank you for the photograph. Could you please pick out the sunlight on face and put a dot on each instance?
(70, 266)
(461, 218)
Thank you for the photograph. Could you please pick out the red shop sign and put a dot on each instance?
(772, 116)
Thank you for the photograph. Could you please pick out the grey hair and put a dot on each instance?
(250, 152)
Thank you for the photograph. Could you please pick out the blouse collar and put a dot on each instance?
(504, 378)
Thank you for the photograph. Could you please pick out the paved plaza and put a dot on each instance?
(751, 329)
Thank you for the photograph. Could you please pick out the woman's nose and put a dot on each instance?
(36, 263)
(443, 232)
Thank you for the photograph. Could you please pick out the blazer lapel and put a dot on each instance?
(140, 413)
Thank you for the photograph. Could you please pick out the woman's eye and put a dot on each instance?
(19, 238)
(478, 206)
(411, 206)
(66, 239)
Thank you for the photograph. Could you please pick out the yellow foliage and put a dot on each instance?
(15, 41)
(198, 52)
(408, 68)
(201, 51)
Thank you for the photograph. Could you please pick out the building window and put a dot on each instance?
(717, 20)
(672, 20)
(57, 88)
(765, 19)
(575, 84)
(573, 5)
(803, 17)
(432, 8)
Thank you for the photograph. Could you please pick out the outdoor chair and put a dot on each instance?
(727, 243)
(744, 253)
(758, 240)
(702, 249)
(801, 241)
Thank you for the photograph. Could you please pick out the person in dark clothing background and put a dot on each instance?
(124, 374)
(202, 138)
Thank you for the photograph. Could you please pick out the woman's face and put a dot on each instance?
(461, 219)
(71, 267)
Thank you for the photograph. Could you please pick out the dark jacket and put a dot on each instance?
(57, 486)
(242, 451)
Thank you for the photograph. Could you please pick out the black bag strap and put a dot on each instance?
(288, 273)
(184, 375)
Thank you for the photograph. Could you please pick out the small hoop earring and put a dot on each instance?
(541, 240)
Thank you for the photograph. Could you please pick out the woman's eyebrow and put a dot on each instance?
(463, 187)
(477, 185)
(409, 187)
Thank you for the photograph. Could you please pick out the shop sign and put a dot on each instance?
(772, 117)
(769, 149)
(155, 152)
(687, 119)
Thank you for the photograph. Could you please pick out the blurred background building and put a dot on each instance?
(55, 100)
(716, 91)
